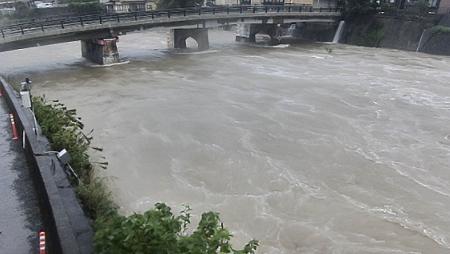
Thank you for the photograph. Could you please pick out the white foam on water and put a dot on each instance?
(108, 65)
(272, 138)
(400, 217)
(203, 52)
(281, 46)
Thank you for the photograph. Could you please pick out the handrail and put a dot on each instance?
(64, 22)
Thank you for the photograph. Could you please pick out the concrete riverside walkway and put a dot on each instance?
(20, 218)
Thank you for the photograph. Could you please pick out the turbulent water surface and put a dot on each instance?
(307, 149)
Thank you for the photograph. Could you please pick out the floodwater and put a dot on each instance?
(313, 148)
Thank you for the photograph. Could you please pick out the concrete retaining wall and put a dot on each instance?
(68, 230)
(387, 31)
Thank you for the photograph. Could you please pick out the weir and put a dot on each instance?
(339, 31)
(420, 41)
(424, 39)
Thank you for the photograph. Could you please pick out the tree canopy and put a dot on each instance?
(170, 4)
(356, 8)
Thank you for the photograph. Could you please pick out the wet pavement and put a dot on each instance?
(20, 218)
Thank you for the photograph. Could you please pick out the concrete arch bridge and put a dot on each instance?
(99, 33)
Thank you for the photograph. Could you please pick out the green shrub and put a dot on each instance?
(158, 231)
(64, 130)
(375, 34)
(440, 29)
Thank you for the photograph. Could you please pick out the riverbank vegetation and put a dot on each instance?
(352, 9)
(440, 29)
(157, 230)
(171, 4)
(64, 130)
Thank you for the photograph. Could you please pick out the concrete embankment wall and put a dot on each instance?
(398, 32)
(68, 230)
(322, 32)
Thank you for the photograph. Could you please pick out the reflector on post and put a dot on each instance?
(42, 248)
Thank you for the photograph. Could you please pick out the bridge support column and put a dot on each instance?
(100, 51)
(247, 32)
(200, 35)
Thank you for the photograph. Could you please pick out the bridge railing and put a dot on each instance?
(65, 22)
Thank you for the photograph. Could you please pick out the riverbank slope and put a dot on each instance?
(428, 34)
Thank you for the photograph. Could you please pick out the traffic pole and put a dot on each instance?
(42, 248)
(15, 136)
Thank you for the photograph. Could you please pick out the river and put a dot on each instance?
(313, 148)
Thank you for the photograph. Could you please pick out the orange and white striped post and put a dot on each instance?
(13, 127)
(42, 249)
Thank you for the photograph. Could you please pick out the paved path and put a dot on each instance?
(19, 213)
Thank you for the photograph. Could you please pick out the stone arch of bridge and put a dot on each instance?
(200, 35)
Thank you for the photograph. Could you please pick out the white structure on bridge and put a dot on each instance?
(122, 6)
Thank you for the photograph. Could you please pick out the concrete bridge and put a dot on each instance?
(99, 33)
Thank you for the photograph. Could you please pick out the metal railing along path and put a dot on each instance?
(55, 23)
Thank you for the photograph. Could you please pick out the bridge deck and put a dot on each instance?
(43, 32)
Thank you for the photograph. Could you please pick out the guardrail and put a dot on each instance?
(65, 22)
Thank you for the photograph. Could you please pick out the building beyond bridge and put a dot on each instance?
(122, 6)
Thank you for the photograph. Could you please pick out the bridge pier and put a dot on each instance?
(100, 51)
(200, 35)
(247, 32)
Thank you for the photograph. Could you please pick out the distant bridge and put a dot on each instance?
(98, 32)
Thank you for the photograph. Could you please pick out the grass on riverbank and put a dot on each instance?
(65, 131)
(440, 29)
(156, 231)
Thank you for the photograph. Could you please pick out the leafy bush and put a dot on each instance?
(158, 231)
(374, 35)
(440, 29)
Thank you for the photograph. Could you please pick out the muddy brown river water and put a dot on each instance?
(306, 149)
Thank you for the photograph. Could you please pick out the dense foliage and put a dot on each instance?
(374, 34)
(65, 131)
(440, 29)
(356, 8)
(157, 231)
(85, 6)
(170, 4)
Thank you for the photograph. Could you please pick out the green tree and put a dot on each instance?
(85, 6)
(357, 8)
(422, 7)
(171, 4)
